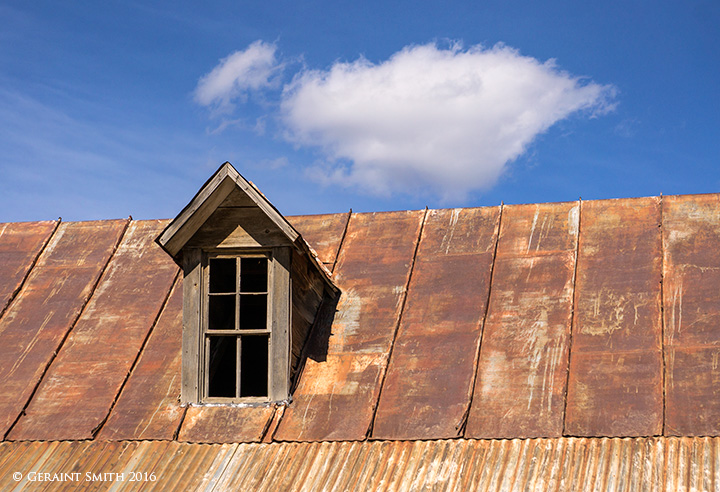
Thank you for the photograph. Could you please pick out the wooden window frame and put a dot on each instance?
(195, 325)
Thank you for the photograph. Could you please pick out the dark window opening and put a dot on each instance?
(237, 330)
(254, 365)
(221, 312)
(253, 275)
(222, 367)
(222, 275)
(253, 312)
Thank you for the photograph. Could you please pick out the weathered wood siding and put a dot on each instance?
(307, 293)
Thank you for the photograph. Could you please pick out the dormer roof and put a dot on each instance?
(228, 186)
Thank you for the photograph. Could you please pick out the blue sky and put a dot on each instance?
(110, 109)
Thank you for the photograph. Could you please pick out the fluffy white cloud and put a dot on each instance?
(443, 120)
(235, 75)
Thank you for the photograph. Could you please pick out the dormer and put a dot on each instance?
(251, 289)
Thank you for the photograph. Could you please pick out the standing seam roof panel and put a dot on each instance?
(338, 390)
(691, 234)
(522, 368)
(148, 406)
(52, 298)
(20, 245)
(433, 361)
(107, 337)
(615, 379)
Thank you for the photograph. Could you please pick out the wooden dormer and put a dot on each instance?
(251, 289)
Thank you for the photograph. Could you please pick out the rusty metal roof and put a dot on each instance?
(591, 319)
(559, 464)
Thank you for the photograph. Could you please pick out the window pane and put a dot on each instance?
(254, 365)
(222, 367)
(221, 312)
(253, 312)
(253, 275)
(222, 274)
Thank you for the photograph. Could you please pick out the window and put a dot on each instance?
(251, 289)
(236, 340)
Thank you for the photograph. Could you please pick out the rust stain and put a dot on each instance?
(20, 244)
(372, 271)
(615, 379)
(691, 226)
(55, 291)
(322, 232)
(612, 465)
(148, 407)
(523, 357)
(428, 385)
(225, 424)
(538, 229)
(84, 379)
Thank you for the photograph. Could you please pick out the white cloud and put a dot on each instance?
(237, 74)
(446, 121)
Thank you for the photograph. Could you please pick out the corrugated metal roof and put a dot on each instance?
(559, 464)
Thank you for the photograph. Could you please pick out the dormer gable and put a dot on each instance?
(251, 289)
(227, 195)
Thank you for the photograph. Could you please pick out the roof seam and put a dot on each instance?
(303, 352)
(572, 315)
(462, 425)
(376, 404)
(663, 375)
(32, 267)
(409, 442)
(99, 427)
(176, 433)
(72, 326)
(342, 241)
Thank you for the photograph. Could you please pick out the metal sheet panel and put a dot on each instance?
(20, 245)
(322, 232)
(638, 464)
(225, 424)
(338, 389)
(149, 404)
(84, 379)
(55, 292)
(522, 369)
(691, 283)
(429, 381)
(615, 379)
